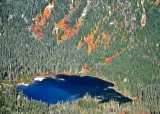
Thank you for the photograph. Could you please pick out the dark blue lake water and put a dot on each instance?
(70, 88)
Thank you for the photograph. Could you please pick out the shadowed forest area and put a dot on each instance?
(114, 40)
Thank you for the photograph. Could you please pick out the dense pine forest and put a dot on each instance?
(115, 40)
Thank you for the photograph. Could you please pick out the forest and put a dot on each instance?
(114, 40)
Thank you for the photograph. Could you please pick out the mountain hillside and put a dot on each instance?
(117, 40)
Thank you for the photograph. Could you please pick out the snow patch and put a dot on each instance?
(24, 84)
(39, 78)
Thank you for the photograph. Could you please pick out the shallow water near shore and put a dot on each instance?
(64, 88)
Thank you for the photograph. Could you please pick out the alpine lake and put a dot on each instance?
(64, 88)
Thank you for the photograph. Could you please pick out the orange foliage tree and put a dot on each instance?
(41, 21)
(68, 32)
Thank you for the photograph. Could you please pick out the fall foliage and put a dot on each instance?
(158, 2)
(68, 32)
(41, 22)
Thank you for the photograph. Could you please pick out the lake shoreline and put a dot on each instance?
(59, 87)
(41, 78)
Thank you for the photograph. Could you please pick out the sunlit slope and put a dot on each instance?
(101, 32)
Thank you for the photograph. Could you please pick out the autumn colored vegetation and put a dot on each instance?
(41, 21)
